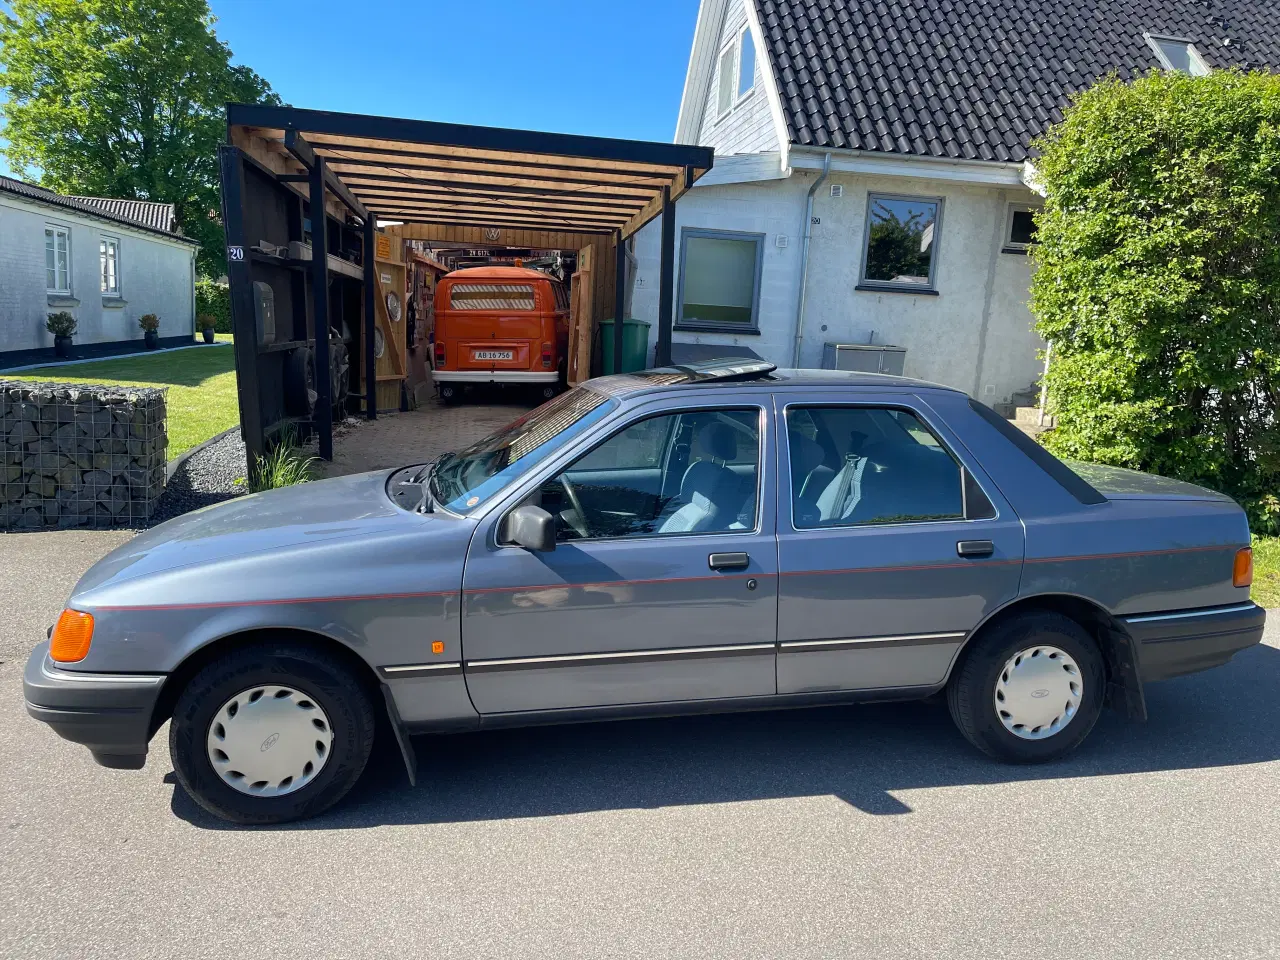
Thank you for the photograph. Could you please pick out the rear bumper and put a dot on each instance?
(1187, 641)
(495, 376)
(109, 713)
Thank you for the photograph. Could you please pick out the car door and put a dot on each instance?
(662, 586)
(892, 543)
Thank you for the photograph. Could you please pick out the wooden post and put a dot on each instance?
(619, 298)
(323, 416)
(666, 279)
(370, 320)
(244, 318)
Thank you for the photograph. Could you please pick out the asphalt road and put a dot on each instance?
(869, 831)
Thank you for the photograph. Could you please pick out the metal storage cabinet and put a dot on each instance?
(864, 357)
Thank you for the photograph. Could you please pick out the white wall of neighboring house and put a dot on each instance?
(156, 275)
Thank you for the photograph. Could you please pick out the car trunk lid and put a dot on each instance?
(1120, 483)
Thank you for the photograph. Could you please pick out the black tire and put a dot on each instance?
(322, 679)
(971, 692)
(300, 382)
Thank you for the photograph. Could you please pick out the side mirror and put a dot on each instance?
(532, 528)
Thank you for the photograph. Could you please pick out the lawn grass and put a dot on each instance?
(201, 383)
(1266, 571)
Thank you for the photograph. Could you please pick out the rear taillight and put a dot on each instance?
(439, 354)
(546, 356)
(1242, 572)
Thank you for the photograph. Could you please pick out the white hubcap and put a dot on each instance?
(1038, 692)
(269, 741)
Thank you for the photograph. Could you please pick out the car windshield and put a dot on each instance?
(466, 479)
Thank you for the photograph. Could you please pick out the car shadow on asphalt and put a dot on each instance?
(861, 754)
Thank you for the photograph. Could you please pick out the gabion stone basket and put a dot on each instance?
(75, 455)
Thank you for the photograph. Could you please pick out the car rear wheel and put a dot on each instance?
(270, 734)
(1029, 689)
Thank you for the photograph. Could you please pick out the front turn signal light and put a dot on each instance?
(72, 635)
(1242, 572)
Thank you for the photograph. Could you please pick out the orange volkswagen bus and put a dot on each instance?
(506, 325)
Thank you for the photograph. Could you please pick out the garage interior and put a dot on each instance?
(405, 201)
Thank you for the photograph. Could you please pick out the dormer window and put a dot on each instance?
(1176, 53)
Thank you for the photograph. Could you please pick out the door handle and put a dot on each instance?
(975, 548)
(728, 561)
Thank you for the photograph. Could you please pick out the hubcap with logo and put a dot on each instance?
(268, 741)
(1038, 692)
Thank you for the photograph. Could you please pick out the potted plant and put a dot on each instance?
(63, 326)
(207, 324)
(150, 323)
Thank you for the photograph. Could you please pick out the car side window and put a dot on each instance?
(860, 465)
(667, 475)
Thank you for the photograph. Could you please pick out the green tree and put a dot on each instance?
(123, 98)
(1158, 279)
(894, 245)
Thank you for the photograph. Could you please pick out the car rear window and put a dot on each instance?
(492, 296)
(1067, 478)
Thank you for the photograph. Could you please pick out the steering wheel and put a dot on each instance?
(580, 528)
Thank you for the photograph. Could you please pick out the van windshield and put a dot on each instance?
(464, 480)
(492, 296)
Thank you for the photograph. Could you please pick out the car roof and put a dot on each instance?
(736, 372)
(497, 273)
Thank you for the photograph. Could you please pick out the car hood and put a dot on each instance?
(277, 519)
(1120, 483)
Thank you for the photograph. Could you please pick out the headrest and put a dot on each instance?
(805, 455)
(719, 440)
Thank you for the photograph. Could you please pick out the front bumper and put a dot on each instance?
(1188, 641)
(109, 713)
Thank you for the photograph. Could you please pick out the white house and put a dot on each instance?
(107, 262)
(894, 137)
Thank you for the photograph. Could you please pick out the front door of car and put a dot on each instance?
(662, 585)
(893, 545)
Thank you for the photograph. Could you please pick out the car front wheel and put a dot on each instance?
(270, 734)
(1029, 689)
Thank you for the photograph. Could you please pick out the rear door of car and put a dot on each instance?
(893, 543)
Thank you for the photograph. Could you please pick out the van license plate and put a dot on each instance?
(492, 354)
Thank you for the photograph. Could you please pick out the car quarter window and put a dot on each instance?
(855, 465)
(695, 471)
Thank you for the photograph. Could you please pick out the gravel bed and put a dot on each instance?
(207, 477)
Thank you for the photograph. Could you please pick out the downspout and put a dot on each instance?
(804, 257)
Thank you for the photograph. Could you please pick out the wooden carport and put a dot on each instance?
(440, 181)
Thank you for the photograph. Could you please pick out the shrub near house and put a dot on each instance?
(1158, 280)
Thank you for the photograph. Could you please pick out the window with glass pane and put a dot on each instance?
(57, 260)
(901, 242)
(679, 473)
(1022, 228)
(719, 278)
(747, 64)
(1180, 55)
(725, 89)
(109, 257)
(859, 465)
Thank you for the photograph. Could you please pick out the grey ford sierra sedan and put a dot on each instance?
(725, 536)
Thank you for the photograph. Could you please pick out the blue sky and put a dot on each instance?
(608, 68)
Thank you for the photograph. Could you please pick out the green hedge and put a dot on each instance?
(215, 298)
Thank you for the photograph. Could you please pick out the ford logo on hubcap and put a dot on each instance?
(1035, 693)
(270, 742)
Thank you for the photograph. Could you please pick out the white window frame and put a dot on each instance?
(930, 288)
(730, 48)
(57, 229)
(115, 242)
(1010, 246)
(737, 69)
(1154, 40)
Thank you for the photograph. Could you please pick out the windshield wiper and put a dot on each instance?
(422, 480)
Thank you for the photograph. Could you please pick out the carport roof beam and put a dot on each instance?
(425, 172)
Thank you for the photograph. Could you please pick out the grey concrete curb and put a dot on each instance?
(172, 466)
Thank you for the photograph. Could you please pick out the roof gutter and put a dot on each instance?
(876, 162)
(804, 258)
